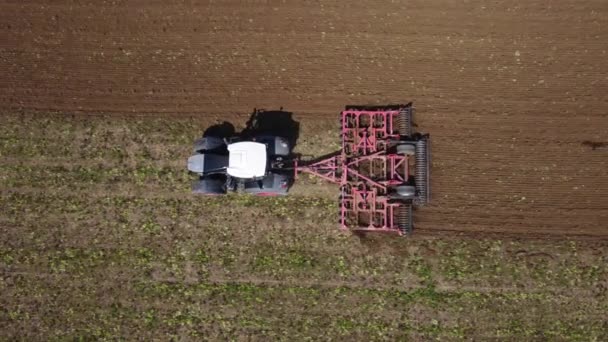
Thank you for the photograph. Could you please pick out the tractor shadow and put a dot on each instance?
(222, 130)
(273, 122)
(261, 122)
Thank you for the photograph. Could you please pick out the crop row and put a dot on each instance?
(283, 238)
(82, 307)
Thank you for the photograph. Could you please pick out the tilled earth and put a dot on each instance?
(515, 96)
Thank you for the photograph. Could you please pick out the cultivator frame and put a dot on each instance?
(373, 169)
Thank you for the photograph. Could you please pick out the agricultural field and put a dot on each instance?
(101, 239)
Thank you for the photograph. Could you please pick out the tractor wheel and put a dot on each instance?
(207, 144)
(209, 186)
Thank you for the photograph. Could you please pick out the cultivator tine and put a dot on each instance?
(423, 163)
(404, 219)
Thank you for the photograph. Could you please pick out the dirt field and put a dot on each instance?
(510, 93)
(514, 95)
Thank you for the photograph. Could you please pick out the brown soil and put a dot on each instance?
(515, 95)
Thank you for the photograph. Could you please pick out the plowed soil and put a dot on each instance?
(514, 94)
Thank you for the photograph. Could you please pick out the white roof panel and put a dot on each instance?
(247, 159)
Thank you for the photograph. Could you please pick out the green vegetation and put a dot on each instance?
(101, 239)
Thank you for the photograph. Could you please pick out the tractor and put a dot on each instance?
(382, 167)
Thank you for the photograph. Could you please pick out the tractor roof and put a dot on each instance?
(247, 160)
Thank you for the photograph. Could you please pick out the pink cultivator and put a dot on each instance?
(374, 169)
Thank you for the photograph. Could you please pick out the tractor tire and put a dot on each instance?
(209, 186)
(207, 144)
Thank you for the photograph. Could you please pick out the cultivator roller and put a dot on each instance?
(379, 149)
(422, 171)
(405, 120)
(404, 219)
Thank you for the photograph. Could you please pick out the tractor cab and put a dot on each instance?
(255, 166)
(247, 160)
